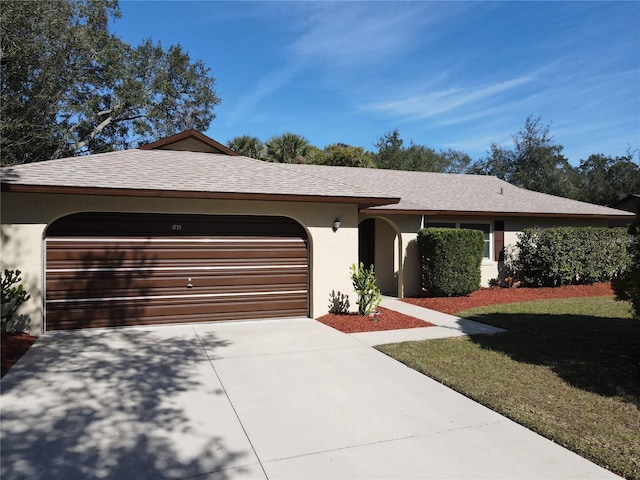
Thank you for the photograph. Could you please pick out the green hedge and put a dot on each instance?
(559, 256)
(450, 260)
(627, 285)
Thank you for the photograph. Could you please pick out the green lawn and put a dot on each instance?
(568, 369)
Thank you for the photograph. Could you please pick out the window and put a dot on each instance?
(484, 227)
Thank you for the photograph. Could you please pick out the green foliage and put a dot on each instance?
(450, 260)
(535, 162)
(558, 256)
(13, 295)
(390, 151)
(626, 285)
(314, 156)
(341, 154)
(604, 179)
(393, 155)
(69, 86)
(247, 146)
(287, 148)
(364, 283)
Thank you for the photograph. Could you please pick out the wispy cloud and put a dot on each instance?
(265, 87)
(324, 37)
(353, 34)
(432, 104)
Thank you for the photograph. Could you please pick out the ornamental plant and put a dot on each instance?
(13, 295)
(364, 283)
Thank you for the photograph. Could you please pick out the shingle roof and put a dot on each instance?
(177, 173)
(182, 172)
(442, 193)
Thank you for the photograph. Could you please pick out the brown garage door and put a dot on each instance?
(129, 269)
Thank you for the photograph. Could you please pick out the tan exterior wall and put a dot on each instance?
(386, 257)
(25, 217)
(396, 254)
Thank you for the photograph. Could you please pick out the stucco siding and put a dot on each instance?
(396, 254)
(386, 257)
(488, 270)
(22, 249)
(409, 226)
(26, 216)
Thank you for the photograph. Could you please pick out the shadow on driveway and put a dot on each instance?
(129, 403)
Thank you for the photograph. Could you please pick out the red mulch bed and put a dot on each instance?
(387, 320)
(493, 296)
(12, 347)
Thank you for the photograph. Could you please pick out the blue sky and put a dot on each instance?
(455, 75)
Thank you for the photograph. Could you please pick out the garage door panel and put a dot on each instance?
(118, 280)
(164, 311)
(122, 321)
(82, 250)
(79, 296)
(73, 288)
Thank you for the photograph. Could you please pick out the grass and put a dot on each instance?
(568, 369)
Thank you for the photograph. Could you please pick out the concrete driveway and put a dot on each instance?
(264, 399)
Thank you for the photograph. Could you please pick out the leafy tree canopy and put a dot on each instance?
(314, 156)
(392, 154)
(604, 179)
(535, 162)
(69, 86)
(247, 146)
(341, 154)
(287, 148)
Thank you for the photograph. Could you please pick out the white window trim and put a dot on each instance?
(426, 221)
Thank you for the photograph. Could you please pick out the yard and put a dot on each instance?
(568, 369)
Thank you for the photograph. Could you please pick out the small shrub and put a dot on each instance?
(450, 260)
(364, 283)
(339, 303)
(13, 295)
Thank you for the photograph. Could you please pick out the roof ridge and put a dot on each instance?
(404, 172)
(289, 165)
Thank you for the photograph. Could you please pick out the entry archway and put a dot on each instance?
(380, 244)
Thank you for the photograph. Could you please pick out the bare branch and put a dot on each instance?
(94, 133)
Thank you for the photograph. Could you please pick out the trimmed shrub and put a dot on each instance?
(558, 256)
(626, 285)
(450, 260)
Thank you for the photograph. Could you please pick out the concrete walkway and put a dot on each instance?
(276, 399)
(446, 325)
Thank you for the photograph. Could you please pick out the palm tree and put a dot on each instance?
(247, 146)
(287, 148)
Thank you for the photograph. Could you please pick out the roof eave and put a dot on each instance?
(362, 202)
(458, 213)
